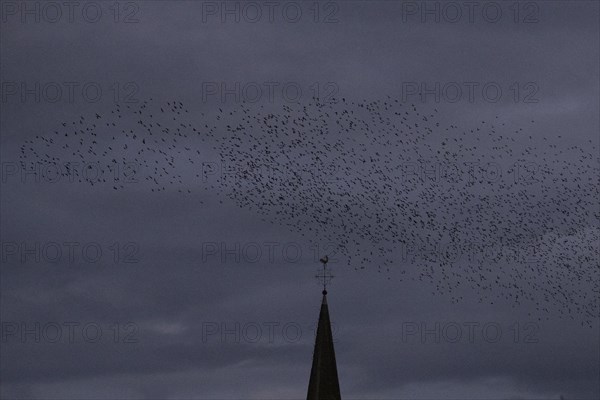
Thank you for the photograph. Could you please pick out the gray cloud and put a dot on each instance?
(176, 291)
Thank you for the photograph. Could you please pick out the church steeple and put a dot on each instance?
(324, 384)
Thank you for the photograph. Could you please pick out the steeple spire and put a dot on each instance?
(324, 384)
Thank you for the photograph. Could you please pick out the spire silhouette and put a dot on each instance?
(324, 384)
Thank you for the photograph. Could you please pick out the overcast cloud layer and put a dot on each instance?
(160, 314)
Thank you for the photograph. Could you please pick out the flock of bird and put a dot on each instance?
(489, 209)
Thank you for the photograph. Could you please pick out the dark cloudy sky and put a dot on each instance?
(181, 321)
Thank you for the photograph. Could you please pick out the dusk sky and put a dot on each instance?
(206, 289)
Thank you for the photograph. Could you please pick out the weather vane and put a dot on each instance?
(324, 275)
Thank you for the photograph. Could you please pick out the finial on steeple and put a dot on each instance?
(324, 275)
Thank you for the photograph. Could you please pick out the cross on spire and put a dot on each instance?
(324, 275)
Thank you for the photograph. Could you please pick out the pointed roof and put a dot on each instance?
(324, 384)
